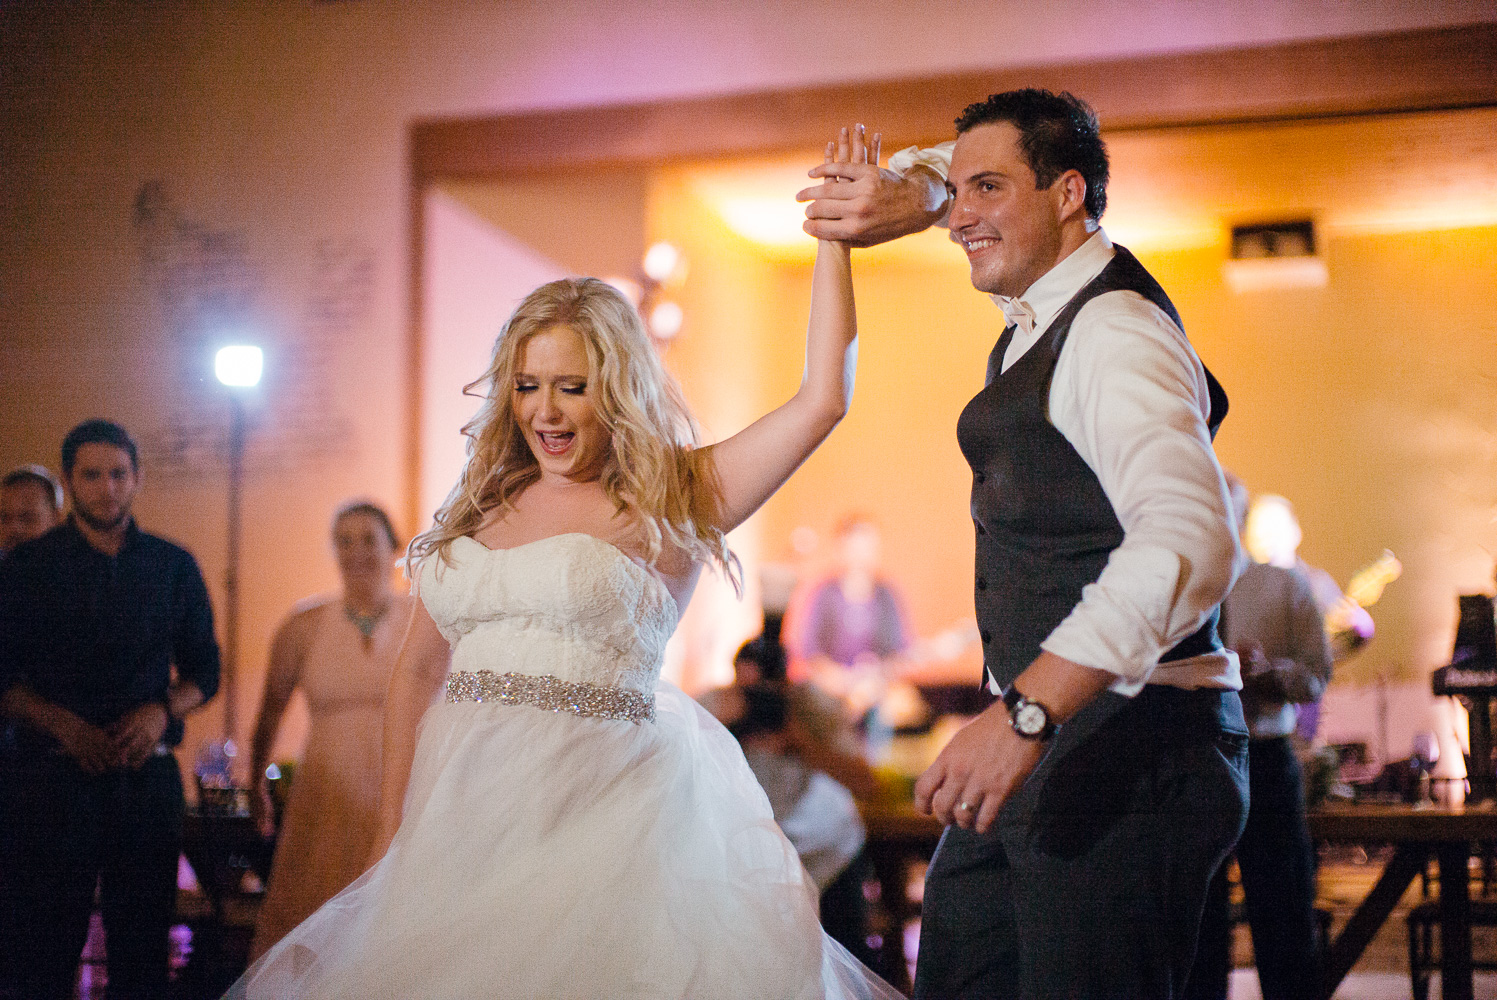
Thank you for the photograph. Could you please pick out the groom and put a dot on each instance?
(1089, 806)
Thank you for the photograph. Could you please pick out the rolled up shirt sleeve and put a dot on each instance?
(1130, 396)
(936, 159)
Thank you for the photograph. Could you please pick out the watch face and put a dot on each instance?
(1030, 719)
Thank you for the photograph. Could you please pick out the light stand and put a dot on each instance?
(237, 367)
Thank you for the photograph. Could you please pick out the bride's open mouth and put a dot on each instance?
(555, 442)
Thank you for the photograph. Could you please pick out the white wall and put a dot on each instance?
(475, 276)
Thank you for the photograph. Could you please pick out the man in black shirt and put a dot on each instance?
(95, 615)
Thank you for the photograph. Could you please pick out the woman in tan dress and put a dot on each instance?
(339, 651)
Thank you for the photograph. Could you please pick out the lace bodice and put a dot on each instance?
(571, 605)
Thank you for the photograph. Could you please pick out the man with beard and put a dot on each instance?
(106, 642)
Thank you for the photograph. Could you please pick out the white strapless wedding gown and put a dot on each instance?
(583, 831)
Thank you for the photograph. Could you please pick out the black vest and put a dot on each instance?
(1044, 526)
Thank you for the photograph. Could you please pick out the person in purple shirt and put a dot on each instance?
(854, 627)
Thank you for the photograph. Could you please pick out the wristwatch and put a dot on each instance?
(1030, 719)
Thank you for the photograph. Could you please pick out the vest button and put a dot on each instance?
(980, 477)
(982, 583)
(986, 636)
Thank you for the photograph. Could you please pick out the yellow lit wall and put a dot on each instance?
(1369, 401)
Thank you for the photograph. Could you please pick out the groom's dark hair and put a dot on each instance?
(1057, 132)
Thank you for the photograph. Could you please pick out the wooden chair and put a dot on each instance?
(1424, 919)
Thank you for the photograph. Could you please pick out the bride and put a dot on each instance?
(555, 820)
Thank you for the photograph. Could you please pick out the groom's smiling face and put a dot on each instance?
(1010, 229)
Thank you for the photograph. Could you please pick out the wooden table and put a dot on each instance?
(1416, 833)
(897, 837)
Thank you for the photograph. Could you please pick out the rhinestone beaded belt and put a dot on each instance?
(552, 694)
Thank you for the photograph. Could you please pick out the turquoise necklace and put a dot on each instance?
(366, 624)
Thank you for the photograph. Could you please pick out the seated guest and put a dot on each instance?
(809, 762)
(339, 651)
(106, 642)
(1273, 622)
(30, 506)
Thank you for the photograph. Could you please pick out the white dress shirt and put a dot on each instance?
(1129, 394)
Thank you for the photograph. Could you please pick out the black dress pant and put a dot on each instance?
(1090, 885)
(1277, 861)
(64, 832)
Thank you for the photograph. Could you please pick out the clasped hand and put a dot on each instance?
(861, 204)
(128, 743)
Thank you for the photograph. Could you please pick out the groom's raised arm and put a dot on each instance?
(862, 205)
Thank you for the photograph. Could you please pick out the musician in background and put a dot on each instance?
(1272, 536)
(1272, 620)
(853, 629)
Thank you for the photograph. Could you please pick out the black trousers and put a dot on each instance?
(64, 832)
(1091, 883)
(1277, 861)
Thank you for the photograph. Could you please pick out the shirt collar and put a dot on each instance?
(1048, 296)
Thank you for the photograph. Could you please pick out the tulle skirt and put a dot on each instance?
(544, 855)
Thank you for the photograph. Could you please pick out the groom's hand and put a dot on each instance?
(862, 205)
(980, 768)
(987, 761)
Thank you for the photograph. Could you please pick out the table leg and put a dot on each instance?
(1455, 922)
(1407, 861)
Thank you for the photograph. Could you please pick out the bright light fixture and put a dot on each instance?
(662, 262)
(239, 365)
(666, 319)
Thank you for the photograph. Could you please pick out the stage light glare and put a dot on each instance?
(666, 319)
(239, 365)
(662, 262)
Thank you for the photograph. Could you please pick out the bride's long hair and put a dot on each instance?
(654, 471)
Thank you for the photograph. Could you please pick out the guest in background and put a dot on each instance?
(30, 506)
(1273, 536)
(809, 761)
(95, 617)
(339, 651)
(853, 627)
(1272, 620)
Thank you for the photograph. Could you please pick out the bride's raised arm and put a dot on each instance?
(756, 461)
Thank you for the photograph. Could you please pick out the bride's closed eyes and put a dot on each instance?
(570, 388)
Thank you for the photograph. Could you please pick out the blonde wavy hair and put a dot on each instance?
(654, 471)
